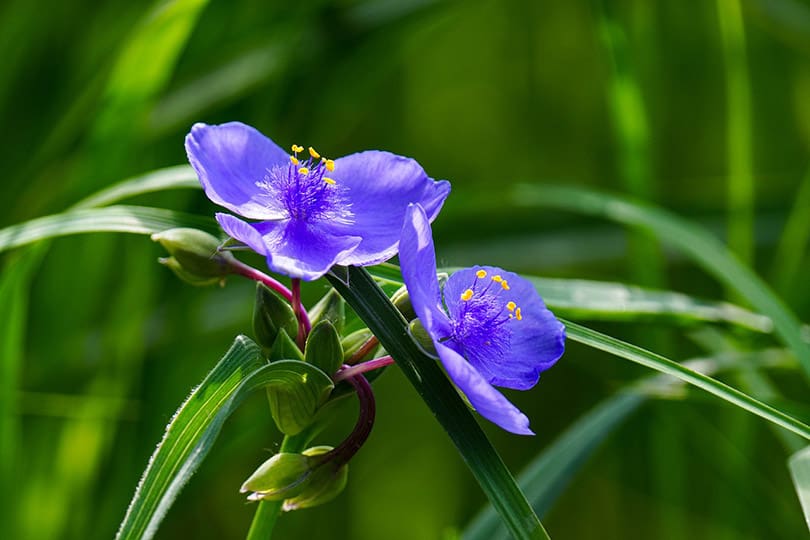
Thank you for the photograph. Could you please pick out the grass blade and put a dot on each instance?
(651, 360)
(705, 249)
(180, 176)
(799, 465)
(127, 219)
(382, 318)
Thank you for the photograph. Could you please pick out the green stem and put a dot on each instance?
(373, 306)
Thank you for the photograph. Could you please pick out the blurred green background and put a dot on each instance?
(697, 106)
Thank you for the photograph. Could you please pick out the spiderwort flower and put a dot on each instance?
(314, 212)
(489, 326)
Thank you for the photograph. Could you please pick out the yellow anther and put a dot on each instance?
(481, 274)
(505, 285)
(330, 165)
(314, 154)
(294, 160)
(466, 295)
(511, 306)
(303, 170)
(497, 278)
(328, 180)
(296, 148)
(518, 314)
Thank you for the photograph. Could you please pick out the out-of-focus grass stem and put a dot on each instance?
(738, 131)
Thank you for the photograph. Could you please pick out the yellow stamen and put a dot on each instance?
(294, 160)
(505, 285)
(296, 148)
(518, 314)
(330, 165)
(497, 279)
(329, 180)
(511, 306)
(466, 295)
(481, 274)
(303, 170)
(314, 154)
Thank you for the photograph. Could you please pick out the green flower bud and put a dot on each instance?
(271, 313)
(402, 302)
(188, 277)
(421, 337)
(280, 477)
(195, 255)
(324, 484)
(323, 348)
(330, 308)
(352, 343)
(284, 348)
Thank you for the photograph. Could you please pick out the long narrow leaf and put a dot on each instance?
(657, 362)
(799, 464)
(127, 219)
(705, 249)
(180, 176)
(368, 300)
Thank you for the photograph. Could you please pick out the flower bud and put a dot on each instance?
(330, 308)
(421, 337)
(323, 348)
(324, 484)
(195, 255)
(271, 313)
(402, 302)
(188, 277)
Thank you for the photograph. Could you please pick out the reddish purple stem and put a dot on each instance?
(298, 309)
(344, 452)
(348, 372)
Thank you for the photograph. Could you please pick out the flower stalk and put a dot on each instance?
(348, 372)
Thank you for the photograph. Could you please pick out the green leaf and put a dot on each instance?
(127, 219)
(657, 362)
(296, 392)
(189, 437)
(370, 303)
(284, 348)
(180, 176)
(323, 348)
(799, 464)
(197, 423)
(702, 247)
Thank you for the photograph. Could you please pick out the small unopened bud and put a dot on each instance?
(271, 313)
(421, 337)
(402, 302)
(323, 348)
(300, 480)
(195, 255)
(330, 308)
(325, 483)
(191, 279)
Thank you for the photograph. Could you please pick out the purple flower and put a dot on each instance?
(313, 212)
(489, 326)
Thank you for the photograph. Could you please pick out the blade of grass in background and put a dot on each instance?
(792, 246)
(127, 219)
(799, 464)
(657, 362)
(738, 131)
(547, 476)
(180, 176)
(705, 249)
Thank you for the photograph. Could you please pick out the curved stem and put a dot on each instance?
(344, 452)
(241, 269)
(371, 365)
(298, 308)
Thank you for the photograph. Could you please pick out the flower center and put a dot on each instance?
(303, 191)
(480, 322)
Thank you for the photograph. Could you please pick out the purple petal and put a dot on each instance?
(533, 344)
(303, 251)
(489, 403)
(229, 159)
(242, 231)
(380, 187)
(418, 265)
